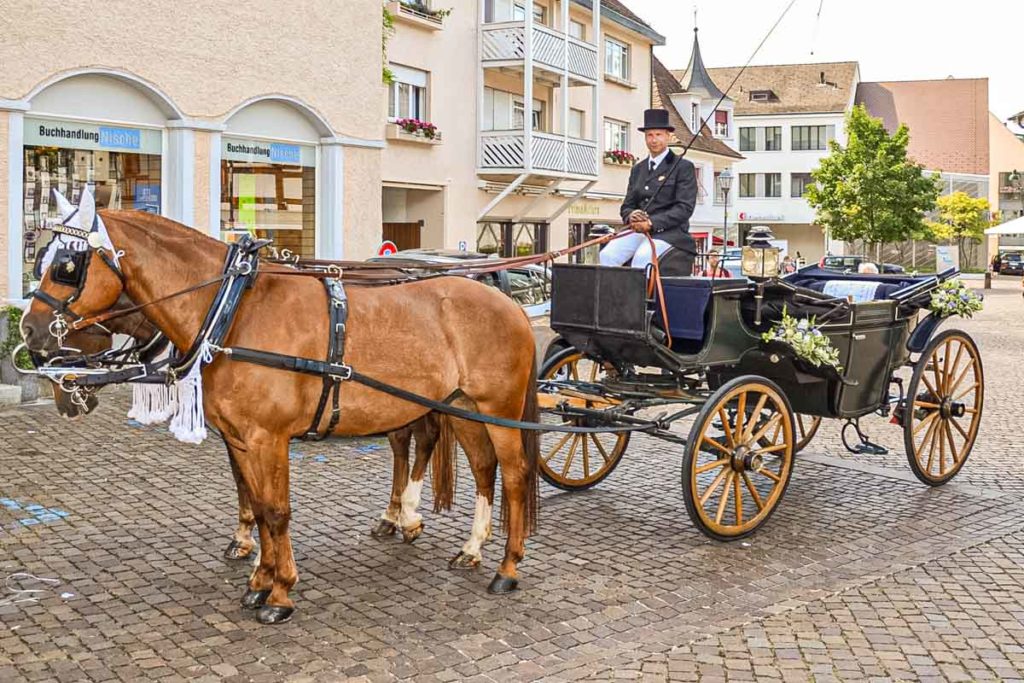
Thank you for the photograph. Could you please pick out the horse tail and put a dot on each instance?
(442, 461)
(531, 452)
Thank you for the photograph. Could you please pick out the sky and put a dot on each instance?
(891, 39)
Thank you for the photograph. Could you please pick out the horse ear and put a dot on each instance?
(63, 205)
(87, 210)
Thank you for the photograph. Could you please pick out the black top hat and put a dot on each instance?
(656, 119)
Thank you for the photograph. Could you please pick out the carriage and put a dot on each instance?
(696, 349)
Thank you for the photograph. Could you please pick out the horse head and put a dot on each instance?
(79, 277)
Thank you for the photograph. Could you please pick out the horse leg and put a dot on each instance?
(426, 432)
(400, 440)
(264, 468)
(518, 506)
(242, 543)
(482, 460)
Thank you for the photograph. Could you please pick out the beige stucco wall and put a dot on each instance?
(362, 213)
(1006, 153)
(208, 58)
(201, 188)
(4, 199)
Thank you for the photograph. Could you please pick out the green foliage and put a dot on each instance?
(960, 217)
(806, 340)
(953, 297)
(388, 29)
(870, 190)
(13, 338)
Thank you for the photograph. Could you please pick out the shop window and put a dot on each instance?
(268, 190)
(511, 239)
(65, 157)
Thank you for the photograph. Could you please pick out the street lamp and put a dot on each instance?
(725, 182)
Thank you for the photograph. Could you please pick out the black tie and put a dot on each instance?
(652, 165)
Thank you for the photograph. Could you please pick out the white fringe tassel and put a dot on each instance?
(151, 403)
(189, 421)
(182, 403)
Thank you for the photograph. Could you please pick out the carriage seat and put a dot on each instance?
(857, 290)
(687, 302)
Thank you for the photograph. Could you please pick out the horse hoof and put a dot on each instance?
(464, 561)
(502, 584)
(410, 535)
(255, 599)
(384, 528)
(272, 614)
(237, 551)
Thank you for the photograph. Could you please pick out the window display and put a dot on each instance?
(66, 156)
(268, 190)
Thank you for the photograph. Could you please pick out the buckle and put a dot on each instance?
(345, 375)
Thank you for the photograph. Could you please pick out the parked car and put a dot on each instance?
(528, 286)
(850, 264)
(1012, 263)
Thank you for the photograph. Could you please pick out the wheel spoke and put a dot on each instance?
(945, 365)
(771, 475)
(773, 449)
(707, 467)
(586, 457)
(775, 419)
(753, 492)
(754, 418)
(960, 378)
(966, 391)
(714, 485)
(709, 440)
(931, 416)
(953, 368)
(931, 389)
(954, 452)
(942, 450)
(558, 446)
(935, 370)
(729, 438)
(930, 438)
(600, 447)
(929, 406)
(739, 500)
(593, 372)
(574, 370)
(924, 442)
(960, 429)
(741, 413)
(724, 500)
(572, 454)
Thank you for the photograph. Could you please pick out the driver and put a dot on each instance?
(660, 199)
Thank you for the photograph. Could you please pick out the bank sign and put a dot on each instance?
(260, 151)
(78, 135)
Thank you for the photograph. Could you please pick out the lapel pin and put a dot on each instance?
(661, 179)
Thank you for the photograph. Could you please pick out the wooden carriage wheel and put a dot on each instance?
(945, 398)
(806, 427)
(734, 475)
(575, 462)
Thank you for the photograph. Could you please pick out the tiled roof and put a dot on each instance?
(796, 88)
(620, 14)
(663, 85)
(948, 119)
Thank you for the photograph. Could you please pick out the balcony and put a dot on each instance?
(416, 14)
(503, 152)
(503, 45)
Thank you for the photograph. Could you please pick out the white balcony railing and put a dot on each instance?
(505, 42)
(506, 150)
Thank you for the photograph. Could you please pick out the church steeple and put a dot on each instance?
(696, 79)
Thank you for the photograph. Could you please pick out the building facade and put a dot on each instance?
(500, 118)
(185, 117)
(785, 117)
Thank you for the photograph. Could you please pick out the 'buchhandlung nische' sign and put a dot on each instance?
(78, 135)
(261, 151)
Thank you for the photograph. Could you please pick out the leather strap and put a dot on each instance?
(337, 304)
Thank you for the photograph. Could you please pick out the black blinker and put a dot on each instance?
(69, 267)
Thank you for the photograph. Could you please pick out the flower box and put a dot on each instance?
(400, 133)
(418, 14)
(619, 157)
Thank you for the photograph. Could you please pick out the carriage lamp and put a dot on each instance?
(760, 257)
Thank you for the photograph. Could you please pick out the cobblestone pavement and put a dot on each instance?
(863, 572)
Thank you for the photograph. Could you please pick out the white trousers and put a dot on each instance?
(633, 246)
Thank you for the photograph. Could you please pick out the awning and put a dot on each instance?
(1014, 227)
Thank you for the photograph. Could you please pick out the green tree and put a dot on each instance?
(961, 219)
(869, 190)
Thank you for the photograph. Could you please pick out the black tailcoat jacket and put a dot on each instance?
(674, 203)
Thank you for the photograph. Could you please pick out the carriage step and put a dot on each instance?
(868, 448)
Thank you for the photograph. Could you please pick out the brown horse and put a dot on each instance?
(400, 513)
(435, 338)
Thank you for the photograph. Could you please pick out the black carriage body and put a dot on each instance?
(716, 330)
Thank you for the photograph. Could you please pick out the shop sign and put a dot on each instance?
(760, 216)
(78, 135)
(261, 151)
(584, 209)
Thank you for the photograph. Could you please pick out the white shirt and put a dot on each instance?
(658, 159)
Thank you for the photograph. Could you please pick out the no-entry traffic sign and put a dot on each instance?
(387, 247)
